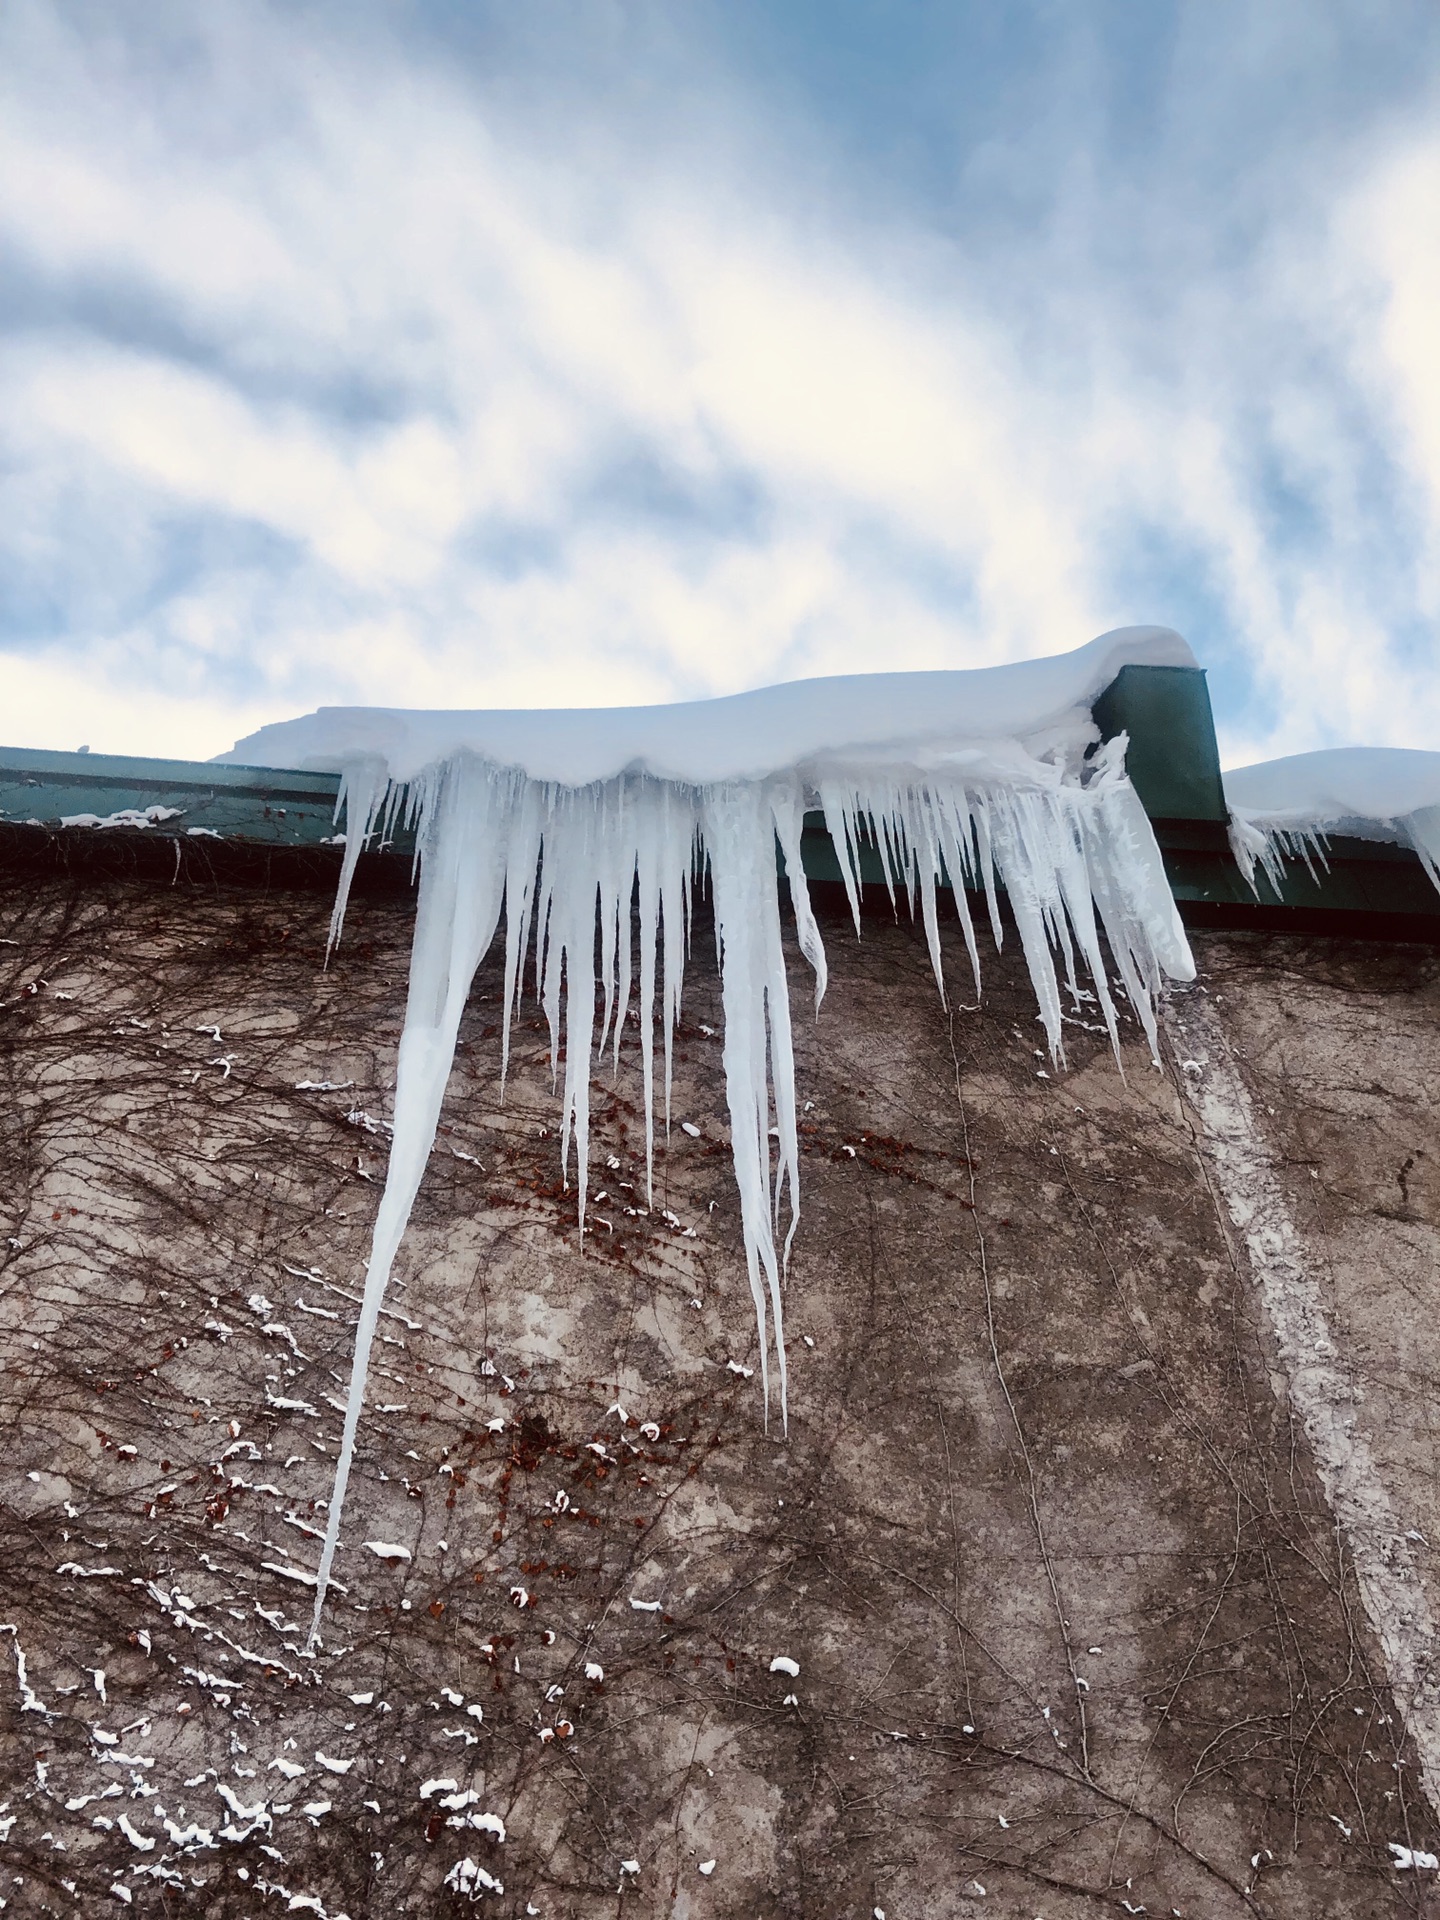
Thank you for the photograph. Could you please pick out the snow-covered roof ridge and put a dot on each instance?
(1376, 793)
(739, 736)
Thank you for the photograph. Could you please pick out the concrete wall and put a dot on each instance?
(1049, 1537)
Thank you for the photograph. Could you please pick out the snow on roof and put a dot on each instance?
(1290, 806)
(1377, 785)
(742, 736)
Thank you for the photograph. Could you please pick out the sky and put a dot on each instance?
(463, 354)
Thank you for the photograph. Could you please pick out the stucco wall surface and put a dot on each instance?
(1075, 1628)
(1341, 1043)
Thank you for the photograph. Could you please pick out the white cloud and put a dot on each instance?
(352, 384)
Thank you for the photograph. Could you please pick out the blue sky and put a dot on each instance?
(458, 354)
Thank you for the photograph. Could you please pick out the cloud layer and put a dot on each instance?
(488, 365)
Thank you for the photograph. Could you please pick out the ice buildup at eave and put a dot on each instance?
(1292, 806)
(573, 824)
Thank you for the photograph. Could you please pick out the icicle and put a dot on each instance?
(363, 786)
(837, 806)
(461, 880)
(1423, 829)
(665, 828)
(522, 865)
(739, 830)
(1267, 845)
(1060, 849)
(787, 807)
(1074, 854)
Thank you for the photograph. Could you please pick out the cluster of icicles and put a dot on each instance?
(1267, 844)
(1072, 850)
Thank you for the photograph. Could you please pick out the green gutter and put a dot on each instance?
(253, 804)
(1368, 889)
(226, 818)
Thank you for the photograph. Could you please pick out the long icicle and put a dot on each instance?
(461, 885)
